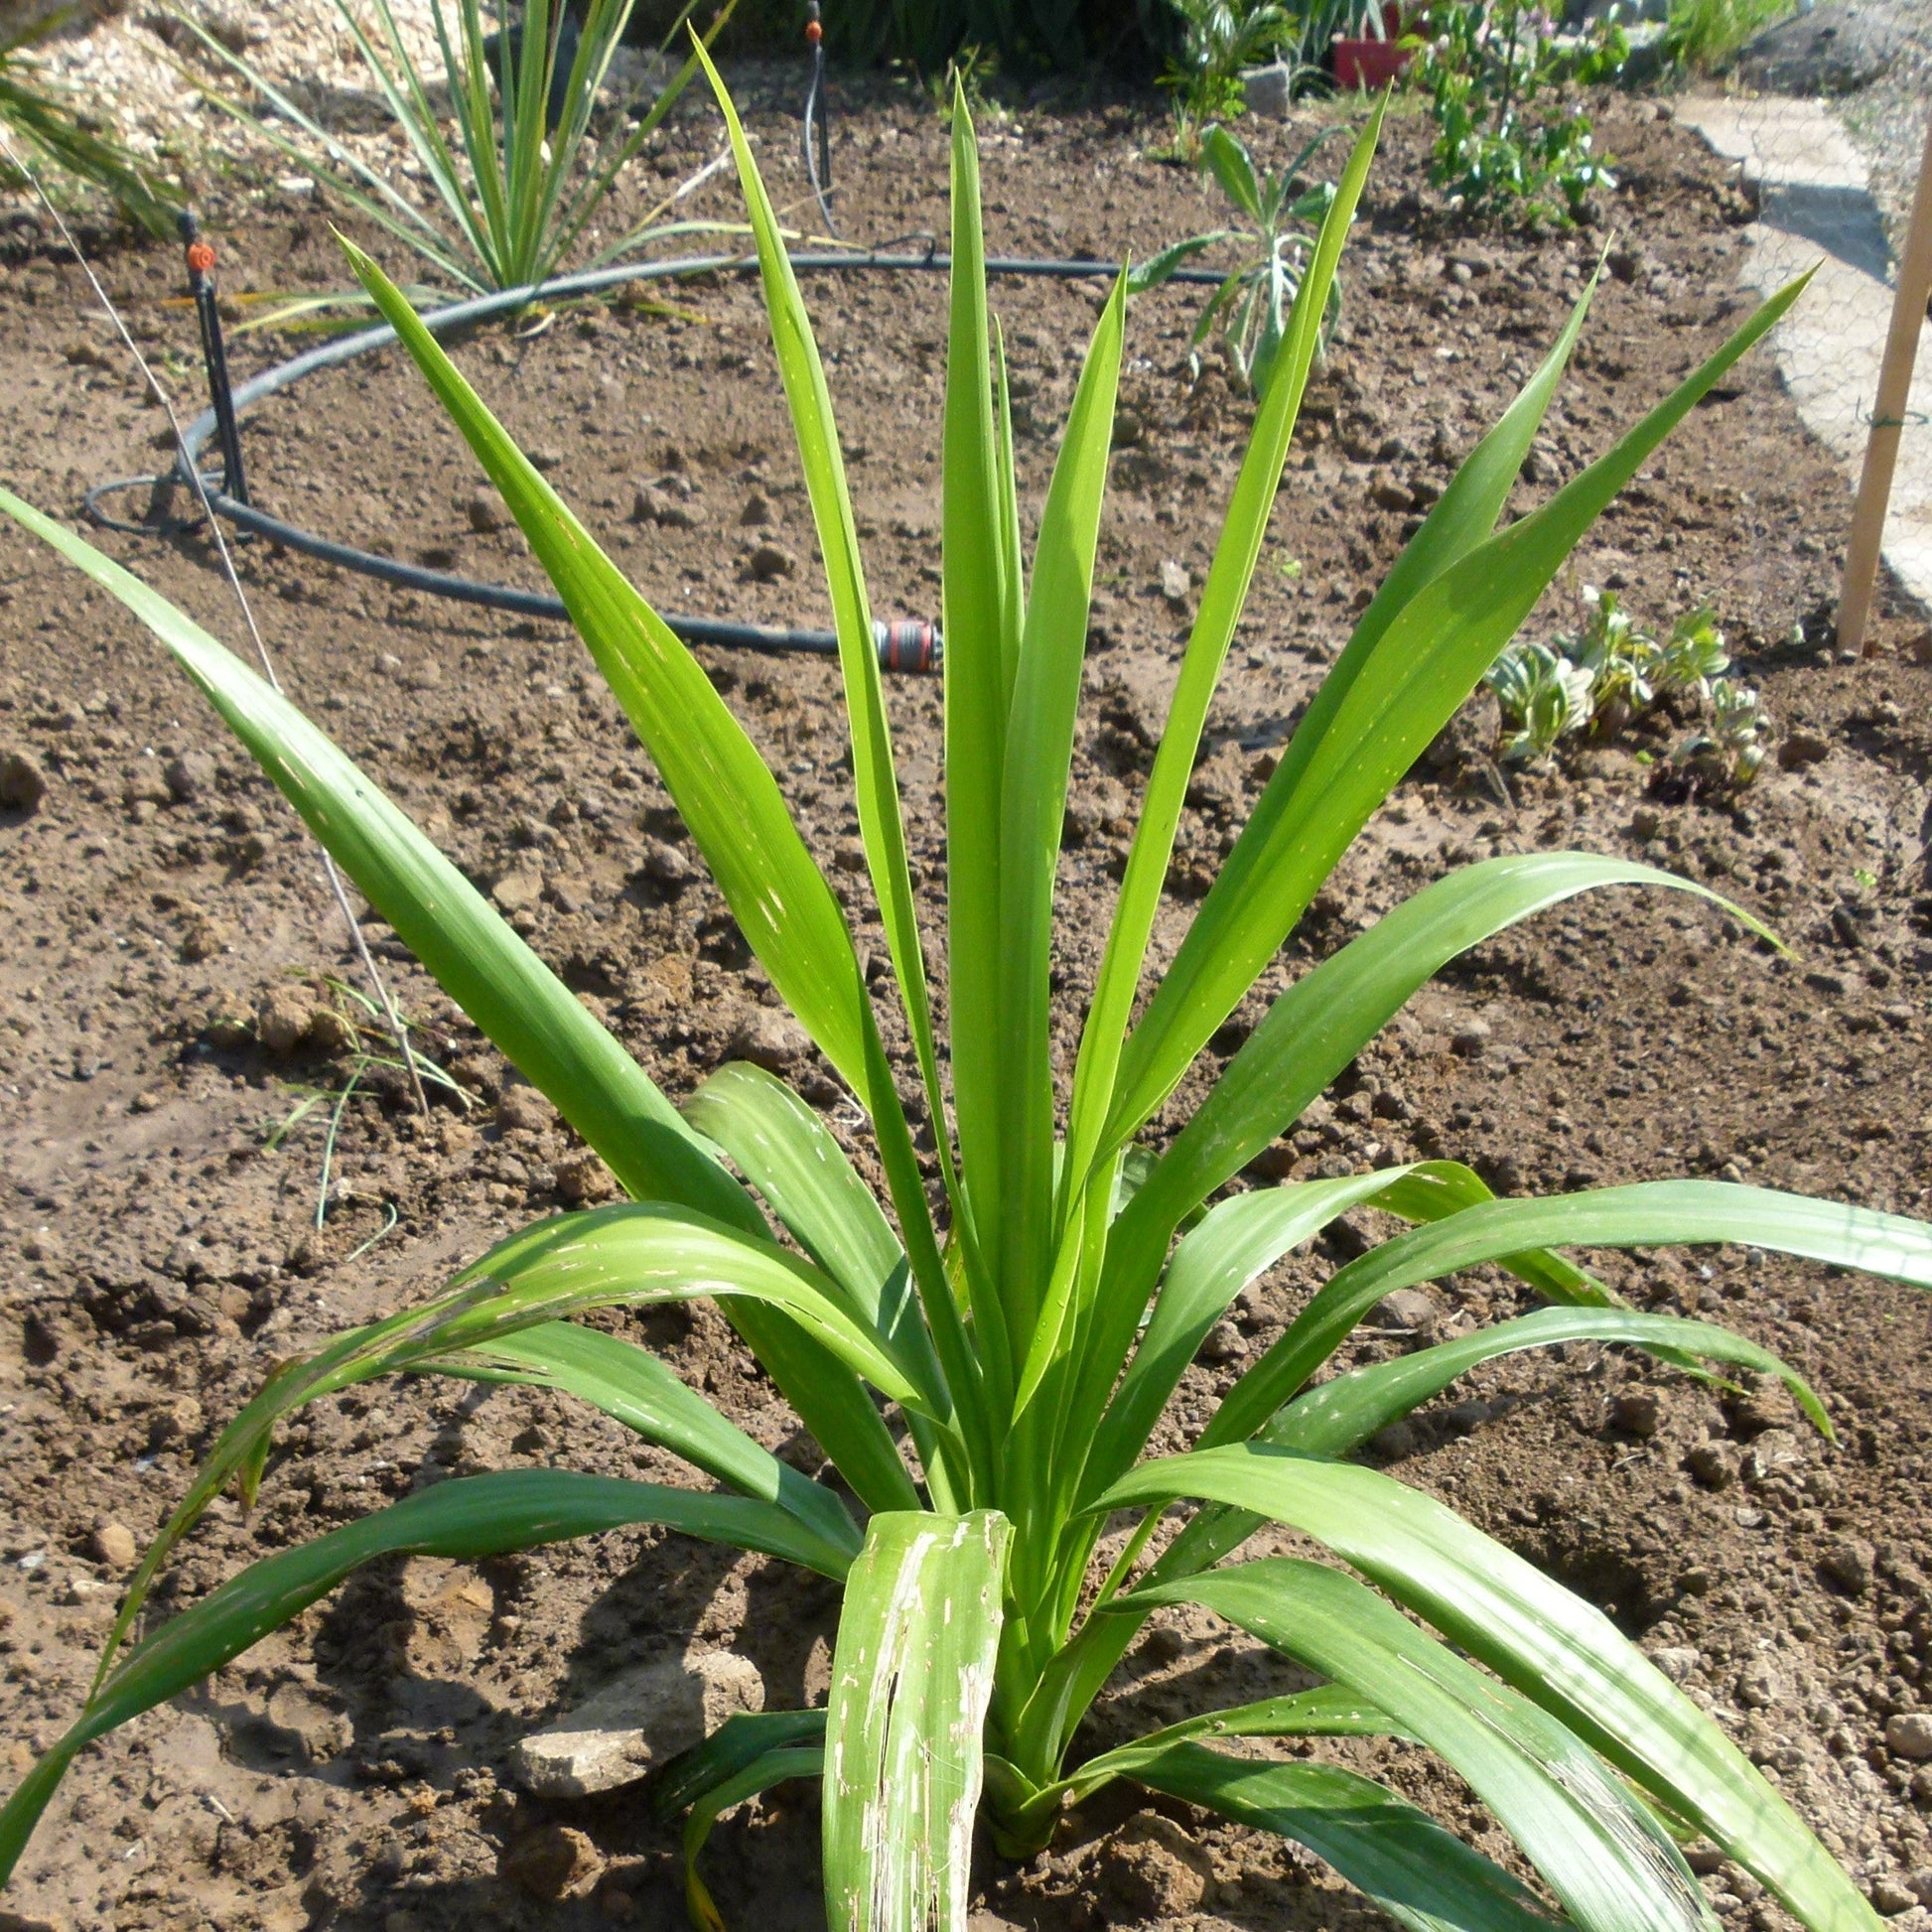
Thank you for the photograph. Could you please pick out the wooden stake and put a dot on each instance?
(1888, 414)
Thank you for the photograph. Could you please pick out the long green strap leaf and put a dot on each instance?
(1336, 1417)
(444, 921)
(1422, 1876)
(732, 803)
(911, 1678)
(535, 1278)
(1602, 1852)
(788, 1154)
(1328, 1710)
(738, 1743)
(633, 1387)
(1236, 1241)
(1553, 1647)
(881, 823)
(1096, 1071)
(723, 788)
(1407, 688)
(978, 694)
(637, 1253)
(1039, 753)
(1648, 1215)
(474, 1516)
(1315, 1028)
(524, 1007)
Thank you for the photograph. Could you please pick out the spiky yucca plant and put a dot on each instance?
(1028, 1313)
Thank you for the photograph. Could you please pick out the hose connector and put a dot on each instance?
(908, 645)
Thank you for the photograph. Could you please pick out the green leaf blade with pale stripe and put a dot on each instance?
(978, 698)
(633, 1387)
(911, 1678)
(1550, 1645)
(1038, 755)
(1599, 1850)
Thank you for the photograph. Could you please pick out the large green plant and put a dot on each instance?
(518, 188)
(59, 133)
(1027, 1308)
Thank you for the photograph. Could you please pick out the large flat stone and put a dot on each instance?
(638, 1720)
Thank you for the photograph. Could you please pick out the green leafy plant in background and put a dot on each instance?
(1511, 141)
(1614, 674)
(1252, 306)
(1023, 1304)
(518, 190)
(1543, 697)
(1202, 76)
(1727, 750)
(59, 133)
(1701, 35)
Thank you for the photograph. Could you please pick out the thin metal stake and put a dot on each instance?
(398, 1031)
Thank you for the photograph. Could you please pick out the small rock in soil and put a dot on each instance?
(1470, 1039)
(584, 1181)
(517, 891)
(769, 562)
(1224, 1343)
(1770, 1406)
(1848, 1564)
(653, 505)
(1715, 1464)
(282, 1018)
(113, 1544)
(524, 1108)
(552, 1862)
(1410, 1308)
(1268, 91)
(486, 511)
(190, 776)
(640, 1719)
(1890, 1897)
(1774, 1450)
(1150, 1870)
(1909, 1733)
(767, 1039)
(1176, 582)
(23, 784)
(664, 865)
(1636, 1412)
(331, 1032)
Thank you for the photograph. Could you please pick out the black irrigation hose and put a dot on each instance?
(906, 647)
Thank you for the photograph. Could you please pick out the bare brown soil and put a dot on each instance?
(354, 1771)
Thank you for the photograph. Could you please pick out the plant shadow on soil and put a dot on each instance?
(354, 1772)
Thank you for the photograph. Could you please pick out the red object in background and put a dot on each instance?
(1371, 64)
